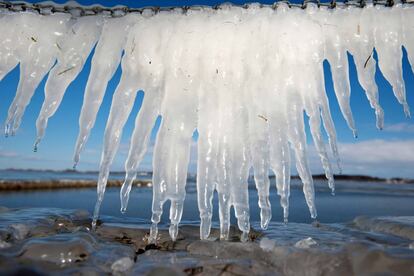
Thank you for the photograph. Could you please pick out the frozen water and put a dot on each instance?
(243, 78)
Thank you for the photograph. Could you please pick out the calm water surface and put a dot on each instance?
(352, 199)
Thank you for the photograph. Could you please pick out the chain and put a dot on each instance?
(118, 11)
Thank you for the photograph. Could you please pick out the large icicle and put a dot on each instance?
(388, 42)
(105, 61)
(172, 149)
(76, 46)
(258, 136)
(37, 51)
(335, 52)
(150, 55)
(244, 78)
(137, 63)
(360, 43)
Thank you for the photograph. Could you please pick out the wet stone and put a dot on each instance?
(59, 249)
(60, 242)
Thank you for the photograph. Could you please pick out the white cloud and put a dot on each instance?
(400, 127)
(8, 154)
(385, 158)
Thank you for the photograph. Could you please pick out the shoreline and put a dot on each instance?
(19, 185)
(12, 185)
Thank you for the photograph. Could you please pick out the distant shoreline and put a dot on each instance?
(20, 185)
(60, 179)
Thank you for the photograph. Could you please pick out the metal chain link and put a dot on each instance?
(118, 11)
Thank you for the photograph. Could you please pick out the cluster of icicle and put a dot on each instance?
(241, 77)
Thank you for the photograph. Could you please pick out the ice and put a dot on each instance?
(359, 36)
(136, 62)
(75, 47)
(36, 52)
(407, 32)
(8, 58)
(105, 61)
(335, 53)
(388, 45)
(245, 79)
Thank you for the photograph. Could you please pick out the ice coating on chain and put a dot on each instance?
(246, 79)
(75, 47)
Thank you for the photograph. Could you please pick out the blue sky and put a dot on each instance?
(384, 153)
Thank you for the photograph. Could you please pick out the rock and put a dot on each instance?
(19, 231)
(306, 243)
(165, 271)
(122, 265)
(108, 256)
(267, 244)
(4, 245)
(59, 249)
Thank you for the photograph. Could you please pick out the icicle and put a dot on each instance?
(239, 144)
(150, 55)
(257, 21)
(122, 103)
(207, 160)
(139, 142)
(105, 61)
(36, 52)
(278, 83)
(179, 118)
(388, 43)
(304, 62)
(74, 50)
(335, 53)
(280, 160)
(360, 43)
(297, 139)
(316, 101)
